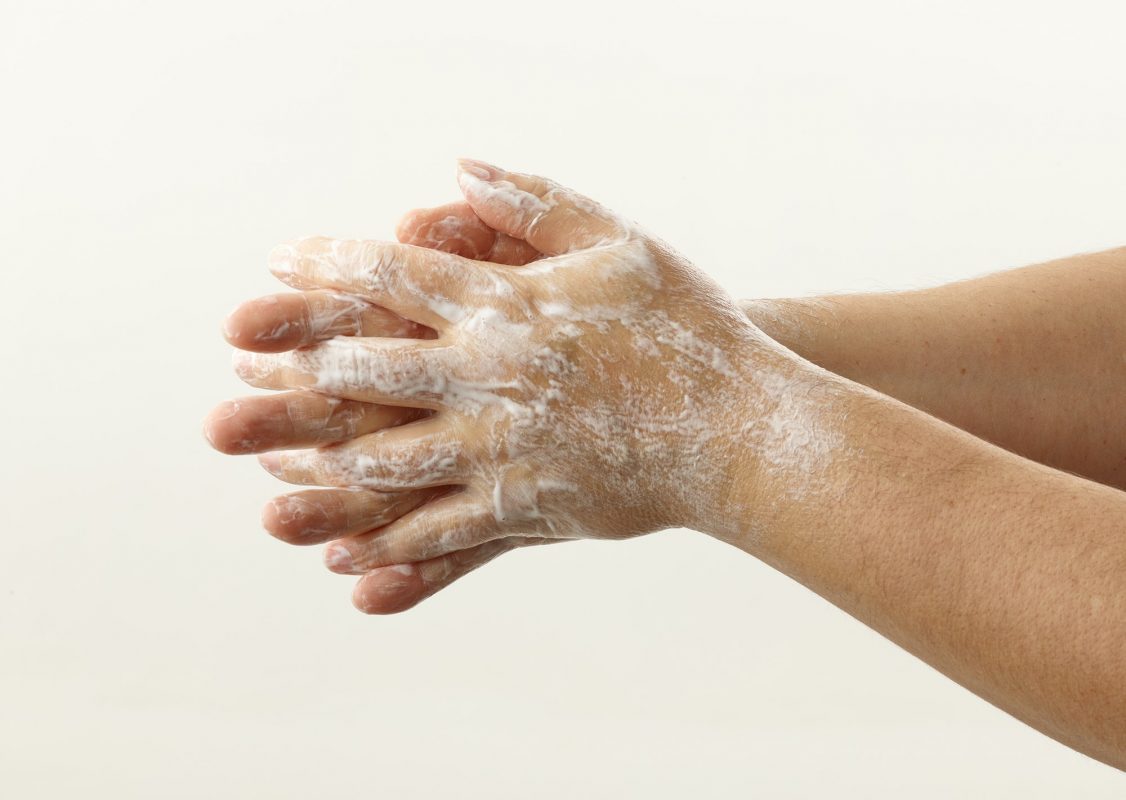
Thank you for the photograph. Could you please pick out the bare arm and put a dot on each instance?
(1007, 576)
(1032, 359)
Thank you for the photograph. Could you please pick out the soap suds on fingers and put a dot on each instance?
(605, 391)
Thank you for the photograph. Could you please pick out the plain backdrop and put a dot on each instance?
(156, 643)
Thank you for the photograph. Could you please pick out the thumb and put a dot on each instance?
(549, 217)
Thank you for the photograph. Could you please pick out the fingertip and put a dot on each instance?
(360, 599)
(234, 325)
(271, 517)
(270, 324)
(304, 518)
(272, 463)
(284, 518)
(478, 169)
(388, 590)
(244, 364)
(407, 226)
(223, 430)
(338, 558)
(475, 179)
(282, 258)
(228, 328)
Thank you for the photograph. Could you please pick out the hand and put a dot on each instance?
(303, 419)
(593, 365)
(550, 381)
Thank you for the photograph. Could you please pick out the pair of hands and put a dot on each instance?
(523, 367)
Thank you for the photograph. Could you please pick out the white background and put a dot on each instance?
(156, 643)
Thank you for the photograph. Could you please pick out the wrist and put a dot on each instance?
(785, 420)
(807, 326)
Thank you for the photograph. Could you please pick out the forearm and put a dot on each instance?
(1030, 359)
(1007, 576)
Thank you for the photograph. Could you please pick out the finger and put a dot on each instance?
(514, 252)
(423, 454)
(295, 420)
(423, 285)
(550, 217)
(454, 228)
(280, 322)
(389, 590)
(319, 515)
(455, 522)
(401, 372)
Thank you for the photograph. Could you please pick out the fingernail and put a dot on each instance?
(243, 363)
(282, 259)
(225, 410)
(228, 331)
(275, 512)
(479, 169)
(271, 462)
(337, 558)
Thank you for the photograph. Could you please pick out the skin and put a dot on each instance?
(1006, 574)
